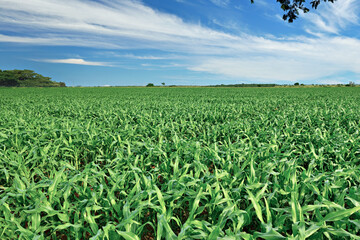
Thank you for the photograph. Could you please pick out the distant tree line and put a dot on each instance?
(246, 85)
(153, 85)
(296, 84)
(26, 78)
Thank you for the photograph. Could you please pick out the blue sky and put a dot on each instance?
(182, 42)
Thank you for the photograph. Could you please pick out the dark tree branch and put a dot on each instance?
(292, 7)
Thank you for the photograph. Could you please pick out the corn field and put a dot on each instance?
(180, 163)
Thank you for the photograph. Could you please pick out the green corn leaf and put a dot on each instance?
(338, 215)
(256, 206)
(128, 235)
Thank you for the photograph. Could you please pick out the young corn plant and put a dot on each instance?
(180, 163)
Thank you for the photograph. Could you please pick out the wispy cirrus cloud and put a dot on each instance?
(57, 40)
(128, 21)
(77, 61)
(220, 3)
(150, 57)
(332, 18)
(126, 24)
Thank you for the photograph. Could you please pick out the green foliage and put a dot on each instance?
(296, 84)
(26, 78)
(179, 163)
(350, 84)
(150, 85)
(292, 8)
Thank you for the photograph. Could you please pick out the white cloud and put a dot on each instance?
(118, 19)
(302, 59)
(77, 61)
(59, 41)
(263, 3)
(220, 3)
(333, 18)
(128, 24)
(150, 57)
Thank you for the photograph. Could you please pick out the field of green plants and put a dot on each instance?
(179, 163)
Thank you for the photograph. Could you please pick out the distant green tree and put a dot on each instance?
(350, 84)
(7, 79)
(26, 78)
(150, 85)
(296, 84)
(163, 83)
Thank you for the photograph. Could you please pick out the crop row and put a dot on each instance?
(173, 163)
